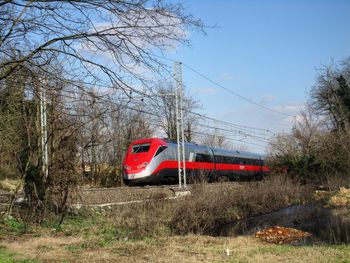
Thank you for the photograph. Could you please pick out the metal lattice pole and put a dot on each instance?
(181, 158)
(182, 127)
(43, 122)
(177, 122)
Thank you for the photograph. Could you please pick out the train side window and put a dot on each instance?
(218, 159)
(199, 157)
(160, 149)
(203, 158)
(208, 158)
(223, 159)
(234, 160)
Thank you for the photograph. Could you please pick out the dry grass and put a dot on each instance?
(190, 248)
(205, 211)
(209, 207)
(11, 185)
(148, 232)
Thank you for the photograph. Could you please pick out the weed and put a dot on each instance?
(73, 247)
(8, 257)
(14, 225)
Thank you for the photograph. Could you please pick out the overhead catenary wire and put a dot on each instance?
(107, 98)
(153, 96)
(72, 99)
(157, 124)
(229, 90)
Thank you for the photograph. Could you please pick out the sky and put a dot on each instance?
(267, 51)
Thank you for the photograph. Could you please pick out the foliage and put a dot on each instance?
(14, 225)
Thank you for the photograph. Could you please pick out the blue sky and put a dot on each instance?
(267, 51)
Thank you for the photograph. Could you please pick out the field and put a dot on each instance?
(158, 230)
(58, 247)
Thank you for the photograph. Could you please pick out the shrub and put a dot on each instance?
(209, 207)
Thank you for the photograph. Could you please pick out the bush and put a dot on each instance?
(313, 155)
(209, 207)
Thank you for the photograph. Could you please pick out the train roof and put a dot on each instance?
(221, 151)
(238, 153)
(216, 150)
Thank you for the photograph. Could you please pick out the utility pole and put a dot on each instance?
(43, 122)
(180, 133)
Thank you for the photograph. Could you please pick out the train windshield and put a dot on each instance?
(140, 148)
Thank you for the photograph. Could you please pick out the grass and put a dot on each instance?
(13, 225)
(10, 257)
(188, 248)
(167, 231)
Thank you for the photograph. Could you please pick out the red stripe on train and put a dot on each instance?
(210, 166)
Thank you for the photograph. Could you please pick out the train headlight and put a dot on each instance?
(142, 165)
(127, 167)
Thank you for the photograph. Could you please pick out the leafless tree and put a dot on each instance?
(163, 106)
(214, 140)
(330, 96)
(98, 41)
(85, 55)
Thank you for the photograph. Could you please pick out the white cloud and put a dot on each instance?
(227, 76)
(267, 99)
(138, 30)
(125, 40)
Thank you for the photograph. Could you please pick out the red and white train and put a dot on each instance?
(154, 161)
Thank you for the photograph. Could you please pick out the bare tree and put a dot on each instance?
(98, 41)
(330, 97)
(163, 106)
(77, 52)
(215, 140)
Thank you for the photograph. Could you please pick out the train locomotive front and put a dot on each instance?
(143, 161)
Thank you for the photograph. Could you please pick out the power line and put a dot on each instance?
(237, 129)
(237, 126)
(229, 138)
(77, 83)
(230, 123)
(228, 90)
(105, 97)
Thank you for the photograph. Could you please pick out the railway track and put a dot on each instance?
(122, 195)
(125, 195)
(174, 186)
(130, 188)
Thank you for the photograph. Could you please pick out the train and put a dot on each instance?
(154, 161)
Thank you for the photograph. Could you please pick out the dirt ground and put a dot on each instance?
(190, 248)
